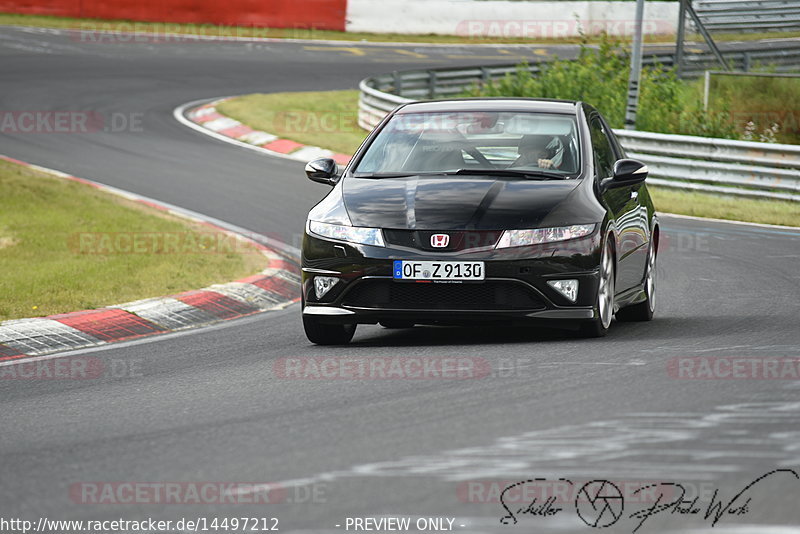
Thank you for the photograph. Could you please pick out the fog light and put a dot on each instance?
(568, 288)
(323, 284)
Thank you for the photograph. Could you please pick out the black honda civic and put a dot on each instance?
(509, 211)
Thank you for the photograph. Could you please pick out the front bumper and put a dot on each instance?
(515, 289)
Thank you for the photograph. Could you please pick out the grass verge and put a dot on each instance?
(328, 119)
(115, 26)
(66, 247)
(724, 207)
(313, 119)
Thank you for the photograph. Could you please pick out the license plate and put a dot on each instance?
(438, 270)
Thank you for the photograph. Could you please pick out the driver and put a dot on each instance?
(533, 152)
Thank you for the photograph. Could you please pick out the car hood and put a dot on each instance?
(455, 202)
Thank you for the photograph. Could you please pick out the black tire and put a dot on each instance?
(327, 334)
(397, 324)
(644, 310)
(599, 326)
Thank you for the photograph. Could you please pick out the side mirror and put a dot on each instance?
(629, 172)
(322, 170)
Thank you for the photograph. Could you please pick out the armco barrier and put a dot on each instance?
(318, 14)
(757, 170)
(748, 15)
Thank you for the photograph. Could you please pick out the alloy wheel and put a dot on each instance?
(606, 289)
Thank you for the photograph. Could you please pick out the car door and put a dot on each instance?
(637, 233)
(623, 203)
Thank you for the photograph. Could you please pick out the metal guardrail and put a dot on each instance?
(742, 168)
(748, 15)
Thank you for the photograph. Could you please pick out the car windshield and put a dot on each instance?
(507, 142)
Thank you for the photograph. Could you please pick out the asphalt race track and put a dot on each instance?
(210, 405)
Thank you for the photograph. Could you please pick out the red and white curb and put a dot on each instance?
(274, 288)
(209, 120)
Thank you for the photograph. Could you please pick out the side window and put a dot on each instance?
(604, 157)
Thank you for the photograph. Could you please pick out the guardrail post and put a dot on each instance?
(746, 61)
(680, 38)
(486, 76)
(398, 83)
(432, 84)
(636, 70)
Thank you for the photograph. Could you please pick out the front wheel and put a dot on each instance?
(327, 334)
(598, 327)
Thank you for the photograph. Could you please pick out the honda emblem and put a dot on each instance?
(440, 240)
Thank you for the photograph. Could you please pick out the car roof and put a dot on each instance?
(535, 105)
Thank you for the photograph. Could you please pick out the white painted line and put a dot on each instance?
(51, 171)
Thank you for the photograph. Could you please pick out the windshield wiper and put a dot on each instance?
(529, 174)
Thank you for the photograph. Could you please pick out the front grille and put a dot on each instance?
(459, 240)
(489, 295)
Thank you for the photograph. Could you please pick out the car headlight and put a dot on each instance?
(351, 234)
(521, 238)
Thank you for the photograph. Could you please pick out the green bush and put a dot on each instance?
(761, 108)
(599, 76)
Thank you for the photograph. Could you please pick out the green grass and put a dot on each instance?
(52, 258)
(327, 119)
(260, 110)
(725, 207)
(771, 104)
(44, 21)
